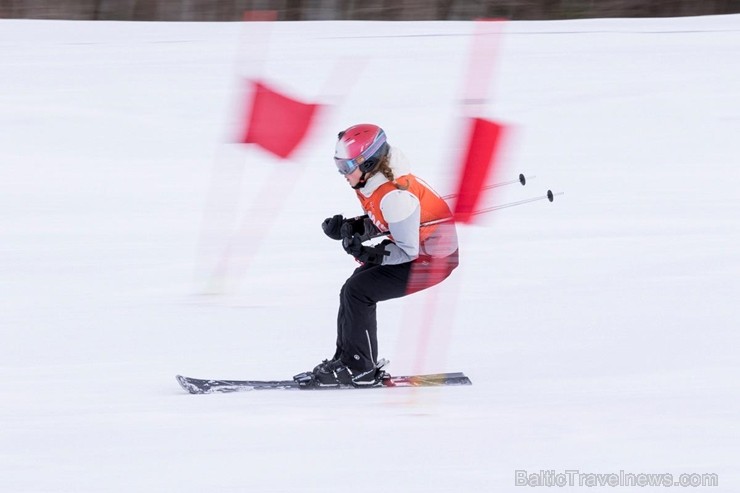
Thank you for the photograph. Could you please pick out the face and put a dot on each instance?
(354, 177)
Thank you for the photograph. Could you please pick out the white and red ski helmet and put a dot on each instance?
(362, 145)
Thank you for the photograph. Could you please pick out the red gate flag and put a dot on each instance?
(277, 123)
(480, 160)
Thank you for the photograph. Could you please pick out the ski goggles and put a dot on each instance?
(347, 166)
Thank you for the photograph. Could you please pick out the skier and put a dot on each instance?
(412, 258)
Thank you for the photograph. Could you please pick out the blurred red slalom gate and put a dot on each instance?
(484, 136)
(481, 143)
(273, 120)
(276, 122)
(477, 167)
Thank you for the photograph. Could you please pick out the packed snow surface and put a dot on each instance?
(600, 331)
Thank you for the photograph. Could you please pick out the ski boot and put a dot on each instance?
(335, 374)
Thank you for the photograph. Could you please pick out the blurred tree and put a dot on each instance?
(114, 10)
(145, 10)
(226, 10)
(293, 10)
(444, 9)
(41, 9)
(391, 10)
(7, 9)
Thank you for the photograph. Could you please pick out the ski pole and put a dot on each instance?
(522, 179)
(549, 196)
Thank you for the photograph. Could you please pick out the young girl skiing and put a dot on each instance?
(412, 258)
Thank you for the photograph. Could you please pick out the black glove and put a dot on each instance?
(367, 255)
(337, 227)
(356, 223)
(332, 226)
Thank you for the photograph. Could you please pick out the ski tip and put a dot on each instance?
(181, 381)
(187, 386)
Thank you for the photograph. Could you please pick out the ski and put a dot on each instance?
(201, 386)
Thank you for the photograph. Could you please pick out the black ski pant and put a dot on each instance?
(357, 327)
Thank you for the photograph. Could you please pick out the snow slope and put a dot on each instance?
(600, 331)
